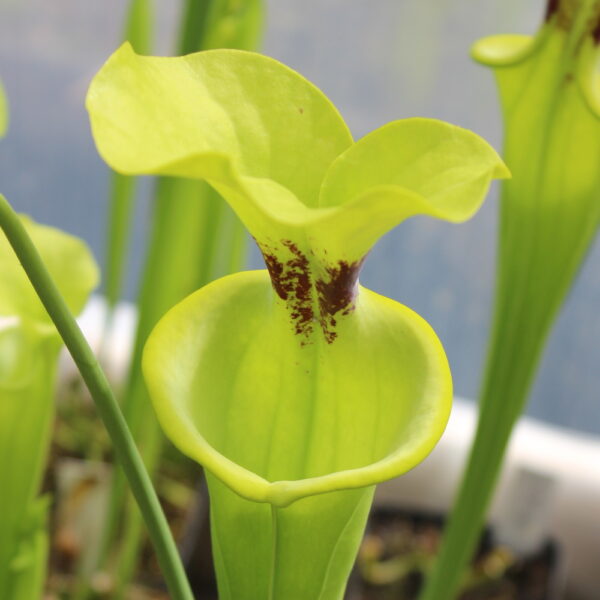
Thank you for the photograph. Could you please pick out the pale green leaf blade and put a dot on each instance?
(69, 261)
(550, 213)
(215, 114)
(447, 166)
(516, 75)
(280, 555)
(405, 168)
(505, 50)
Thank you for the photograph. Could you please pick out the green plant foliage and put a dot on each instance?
(68, 261)
(95, 380)
(138, 32)
(139, 25)
(189, 219)
(297, 389)
(233, 24)
(549, 214)
(29, 347)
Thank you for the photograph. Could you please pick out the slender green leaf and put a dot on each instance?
(549, 215)
(100, 391)
(183, 228)
(139, 25)
(138, 32)
(232, 24)
(120, 215)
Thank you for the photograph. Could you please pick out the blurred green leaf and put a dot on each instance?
(29, 347)
(549, 214)
(68, 260)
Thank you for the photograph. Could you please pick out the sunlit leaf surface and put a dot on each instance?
(295, 387)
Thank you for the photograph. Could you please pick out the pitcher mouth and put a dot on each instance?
(416, 405)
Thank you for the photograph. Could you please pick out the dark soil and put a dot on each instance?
(396, 553)
(399, 548)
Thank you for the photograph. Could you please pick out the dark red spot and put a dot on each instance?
(292, 283)
(275, 269)
(332, 295)
(336, 295)
(551, 8)
(596, 33)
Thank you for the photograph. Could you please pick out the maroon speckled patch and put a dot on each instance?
(292, 283)
(336, 295)
(567, 14)
(309, 300)
(551, 8)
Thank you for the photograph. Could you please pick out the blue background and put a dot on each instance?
(378, 61)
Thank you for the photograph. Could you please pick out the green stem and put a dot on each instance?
(138, 31)
(181, 228)
(188, 219)
(97, 384)
(193, 24)
(179, 223)
(120, 212)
